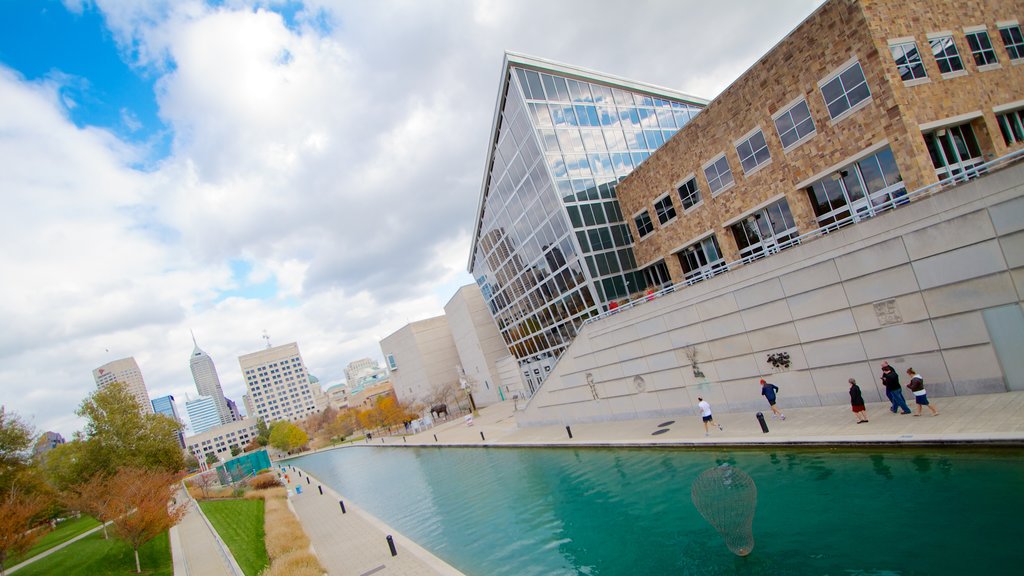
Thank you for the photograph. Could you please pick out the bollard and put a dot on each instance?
(342, 504)
(391, 545)
(482, 436)
(321, 488)
(307, 480)
(760, 420)
(300, 473)
(569, 430)
(381, 440)
(435, 437)
(404, 440)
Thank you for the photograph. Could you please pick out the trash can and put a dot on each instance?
(298, 489)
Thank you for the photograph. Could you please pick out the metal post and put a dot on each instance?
(569, 430)
(321, 488)
(381, 440)
(342, 504)
(307, 480)
(391, 545)
(435, 437)
(404, 441)
(482, 436)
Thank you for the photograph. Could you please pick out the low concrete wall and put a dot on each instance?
(909, 286)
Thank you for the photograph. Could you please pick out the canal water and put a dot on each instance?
(505, 511)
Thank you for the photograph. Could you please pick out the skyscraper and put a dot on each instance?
(202, 413)
(551, 246)
(165, 405)
(126, 371)
(204, 373)
(278, 384)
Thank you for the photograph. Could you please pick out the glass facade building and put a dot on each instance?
(551, 246)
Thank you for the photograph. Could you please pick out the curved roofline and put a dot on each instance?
(568, 70)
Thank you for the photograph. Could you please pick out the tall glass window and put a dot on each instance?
(1011, 124)
(861, 190)
(946, 54)
(765, 231)
(701, 260)
(954, 150)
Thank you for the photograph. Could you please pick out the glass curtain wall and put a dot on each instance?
(553, 247)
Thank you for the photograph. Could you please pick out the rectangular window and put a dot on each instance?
(689, 194)
(702, 260)
(954, 151)
(644, 226)
(845, 91)
(665, 209)
(1013, 41)
(718, 174)
(946, 54)
(908, 61)
(981, 48)
(1011, 124)
(863, 189)
(753, 151)
(391, 362)
(794, 124)
(766, 231)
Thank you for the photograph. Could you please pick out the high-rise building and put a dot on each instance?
(278, 384)
(551, 246)
(204, 373)
(125, 371)
(46, 442)
(250, 409)
(202, 413)
(233, 410)
(165, 405)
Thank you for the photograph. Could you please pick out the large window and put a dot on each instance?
(689, 194)
(766, 231)
(644, 226)
(702, 260)
(845, 90)
(946, 54)
(718, 174)
(753, 151)
(954, 150)
(665, 209)
(794, 124)
(1013, 41)
(862, 189)
(1011, 124)
(908, 61)
(981, 48)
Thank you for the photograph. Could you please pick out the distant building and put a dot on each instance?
(250, 409)
(363, 373)
(221, 439)
(202, 413)
(338, 396)
(126, 371)
(46, 442)
(233, 410)
(165, 405)
(423, 357)
(204, 373)
(368, 397)
(278, 384)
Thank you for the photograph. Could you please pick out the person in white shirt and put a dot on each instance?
(705, 413)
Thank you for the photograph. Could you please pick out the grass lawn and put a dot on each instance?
(240, 524)
(65, 531)
(94, 555)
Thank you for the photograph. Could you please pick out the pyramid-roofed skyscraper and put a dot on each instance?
(551, 246)
(204, 373)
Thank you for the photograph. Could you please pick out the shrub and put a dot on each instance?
(296, 563)
(264, 481)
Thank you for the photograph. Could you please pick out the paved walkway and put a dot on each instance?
(196, 548)
(354, 543)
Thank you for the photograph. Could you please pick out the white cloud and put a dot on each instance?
(343, 163)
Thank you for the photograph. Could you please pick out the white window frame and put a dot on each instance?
(902, 44)
(675, 213)
(753, 153)
(712, 268)
(696, 189)
(972, 30)
(788, 110)
(1005, 25)
(834, 75)
(718, 175)
(944, 35)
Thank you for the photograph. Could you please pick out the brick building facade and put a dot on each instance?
(863, 101)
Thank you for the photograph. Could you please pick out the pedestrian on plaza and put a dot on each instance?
(769, 390)
(857, 402)
(705, 413)
(891, 381)
(916, 386)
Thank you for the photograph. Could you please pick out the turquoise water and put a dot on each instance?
(628, 511)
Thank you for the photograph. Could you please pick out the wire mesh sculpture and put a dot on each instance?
(727, 497)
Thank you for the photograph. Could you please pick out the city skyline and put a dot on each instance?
(308, 171)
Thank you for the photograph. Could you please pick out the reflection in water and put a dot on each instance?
(881, 468)
(726, 497)
(922, 464)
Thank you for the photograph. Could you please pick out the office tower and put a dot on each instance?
(165, 405)
(202, 413)
(551, 246)
(125, 371)
(278, 384)
(204, 373)
(233, 410)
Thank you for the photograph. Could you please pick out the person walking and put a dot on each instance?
(705, 414)
(916, 386)
(769, 390)
(857, 402)
(891, 381)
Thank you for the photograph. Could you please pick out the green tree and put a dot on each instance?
(262, 432)
(15, 440)
(211, 459)
(286, 436)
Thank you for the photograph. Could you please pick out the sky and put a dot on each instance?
(307, 169)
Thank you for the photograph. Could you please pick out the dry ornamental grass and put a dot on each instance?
(287, 544)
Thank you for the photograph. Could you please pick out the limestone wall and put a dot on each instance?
(909, 286)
